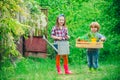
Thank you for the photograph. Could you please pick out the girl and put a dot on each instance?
(60, 33)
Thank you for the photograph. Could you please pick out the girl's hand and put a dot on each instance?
(59, 38)
(67, 37)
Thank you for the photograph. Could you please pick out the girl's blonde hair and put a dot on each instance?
(96, 25)
(57, 24)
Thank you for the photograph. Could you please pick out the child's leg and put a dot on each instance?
(57, 60)
(58, 64)
(65, 58)
(95, 59)
(89, 59)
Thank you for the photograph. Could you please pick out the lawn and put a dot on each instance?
(44, 69)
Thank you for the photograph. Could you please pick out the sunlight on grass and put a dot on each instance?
(82, 73)
(44, 69)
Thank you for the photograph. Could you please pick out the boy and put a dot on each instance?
(92, 53)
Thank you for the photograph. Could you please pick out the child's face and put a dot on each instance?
(94, 29)
(61, 21)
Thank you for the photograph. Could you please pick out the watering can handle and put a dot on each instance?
(50, 43)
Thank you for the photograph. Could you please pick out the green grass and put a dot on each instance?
(44, 69)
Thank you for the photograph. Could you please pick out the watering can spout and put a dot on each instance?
(50, 43)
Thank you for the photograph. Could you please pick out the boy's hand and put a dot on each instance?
(102, 39)
(78, 39)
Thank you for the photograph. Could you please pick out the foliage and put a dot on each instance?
(10, 28)
(79, 14)
(111, 29)
(18, 18)
(44, 69)
(36, 19)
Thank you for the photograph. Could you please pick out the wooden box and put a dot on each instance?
(80, 44)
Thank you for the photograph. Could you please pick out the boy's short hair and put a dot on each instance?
(96, 25)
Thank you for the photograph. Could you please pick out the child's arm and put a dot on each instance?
(66, 37)
(101, 37)
(53, 35)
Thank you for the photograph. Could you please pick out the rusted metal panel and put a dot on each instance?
(35, 44)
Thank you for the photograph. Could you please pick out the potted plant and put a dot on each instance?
(37, 21)
(35, 43)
